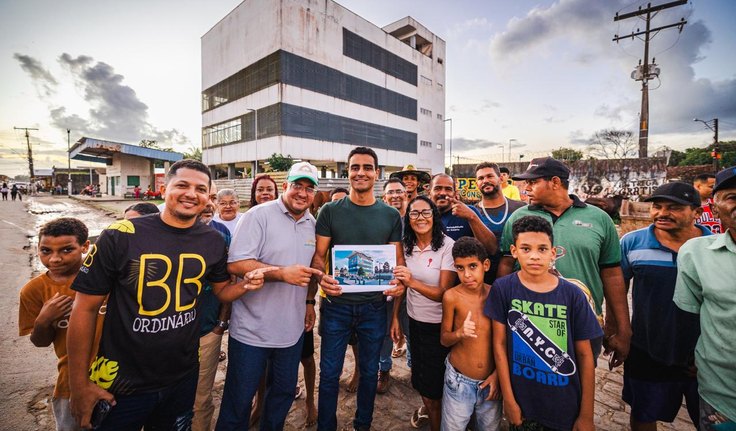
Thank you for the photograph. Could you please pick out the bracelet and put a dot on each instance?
(311, 301)
(222, 324)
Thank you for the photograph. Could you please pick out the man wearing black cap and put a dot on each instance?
(659, 370)
(706, 286)
(587, 246)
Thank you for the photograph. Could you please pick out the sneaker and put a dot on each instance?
(384, 381)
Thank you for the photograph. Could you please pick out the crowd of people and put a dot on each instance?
(504, 307)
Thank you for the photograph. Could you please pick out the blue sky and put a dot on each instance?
(542, 73)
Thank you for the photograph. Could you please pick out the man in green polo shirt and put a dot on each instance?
(587, 245)
(706, 285)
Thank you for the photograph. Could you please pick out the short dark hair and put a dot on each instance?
(143, 208)
(484, 165)
(467, 246)
(189, 164)
(532, 223)
(337, 190)
(393, 180)
(364, 150)
(255, 184)
(65, 226)
(443, 175)
(702, 178)
(504, 170)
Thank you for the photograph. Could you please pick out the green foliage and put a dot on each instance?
(567, 154)
(703, 156)
(279, 162)
(153, 144)
(193, 153)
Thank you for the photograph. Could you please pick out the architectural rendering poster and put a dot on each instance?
(363, 268)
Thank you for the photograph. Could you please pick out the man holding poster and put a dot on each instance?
(360, 220)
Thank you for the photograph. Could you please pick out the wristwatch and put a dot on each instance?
(221, 324)
(311, 301)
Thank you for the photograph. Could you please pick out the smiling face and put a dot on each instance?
(207, 213)
(442, 192)
(673, 217)
(62, 255)
(411, 182)
(228, 206)
(187, 192)
(362, 173)
(488, 182)
(265, 191)
(395, 195)
(534, 252)
(298, 196)
(421, 218)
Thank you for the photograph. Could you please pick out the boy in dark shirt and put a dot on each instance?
(542, 327)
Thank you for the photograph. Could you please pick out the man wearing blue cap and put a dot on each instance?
(706, 285)
(267, 326)
(659, 370)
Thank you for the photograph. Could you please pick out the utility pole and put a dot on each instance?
(716, 153)
(645, 72)
(30, 155)
(69, 162)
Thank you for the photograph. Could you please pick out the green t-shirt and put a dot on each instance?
(706, 274)
(348, 224)
(585, 238)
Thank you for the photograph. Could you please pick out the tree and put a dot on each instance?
(193, 153)
(279, 162)
(567, 154)
(613, 144)
(149, 143)
(704, 156)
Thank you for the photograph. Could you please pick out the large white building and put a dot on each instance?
(317, 80)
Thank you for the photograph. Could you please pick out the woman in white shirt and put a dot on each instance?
(428, 273)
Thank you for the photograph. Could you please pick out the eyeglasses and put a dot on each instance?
(413, 215)
(299, 188)
(395, 192)
(228, 204)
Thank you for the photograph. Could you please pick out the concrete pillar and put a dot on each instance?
(231, 171)
(413, 41)
(254, 168)
(341, 166)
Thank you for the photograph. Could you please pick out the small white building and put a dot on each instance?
(317, 80)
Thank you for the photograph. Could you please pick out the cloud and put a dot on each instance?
(115, 110)
(464, 144)
(41, 77)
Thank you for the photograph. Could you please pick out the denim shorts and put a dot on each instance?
(462, 396)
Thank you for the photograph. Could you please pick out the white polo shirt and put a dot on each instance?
(425, 266)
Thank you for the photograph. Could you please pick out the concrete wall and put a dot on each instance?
(313, 29)
(123, 166)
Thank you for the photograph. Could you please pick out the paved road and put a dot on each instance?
(28, 373)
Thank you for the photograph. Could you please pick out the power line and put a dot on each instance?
(645, 72)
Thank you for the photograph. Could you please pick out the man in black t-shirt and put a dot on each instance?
(153, 269)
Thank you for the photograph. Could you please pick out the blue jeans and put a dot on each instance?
(337, 322)
(169, 408)
(461, 397)
(385, 361)
(246, 365)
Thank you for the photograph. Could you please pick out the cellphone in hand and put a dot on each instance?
(99, 413)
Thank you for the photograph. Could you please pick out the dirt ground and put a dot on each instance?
(28, 373)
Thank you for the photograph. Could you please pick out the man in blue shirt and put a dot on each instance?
(459, 219)
(659, 370)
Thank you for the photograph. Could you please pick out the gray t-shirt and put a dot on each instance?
(272, 316)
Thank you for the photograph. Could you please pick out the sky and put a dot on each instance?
(523, 77)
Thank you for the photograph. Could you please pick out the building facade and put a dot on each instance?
(312, 80)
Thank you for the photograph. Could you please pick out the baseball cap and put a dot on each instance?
(544, 167)
(725, 178)
(682, 193)
(303, 170)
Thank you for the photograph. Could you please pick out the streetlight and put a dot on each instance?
(716, 153)
(450, 120)
(69, 163)
(512, 139)
(255, 165)
(502, 154)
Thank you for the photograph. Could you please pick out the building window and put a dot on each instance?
(439, 146)
(223, 133)
(439, 116)
(134, 180)
(425, 144)
(426, 81)
(426, 112)
(259, 75)
(367, 52)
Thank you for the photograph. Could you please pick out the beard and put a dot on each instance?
(491, 193)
